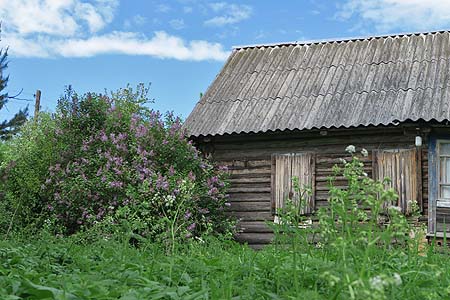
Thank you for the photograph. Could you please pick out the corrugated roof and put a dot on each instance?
(355, 82)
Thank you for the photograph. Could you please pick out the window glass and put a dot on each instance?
(445, 149)
(445, 170)
(445, 192)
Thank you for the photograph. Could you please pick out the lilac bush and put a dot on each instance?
(124, 163)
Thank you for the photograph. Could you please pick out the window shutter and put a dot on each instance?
(403, 167)
(284, 168)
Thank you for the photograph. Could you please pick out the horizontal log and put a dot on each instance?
(254, 238)
(267, 136)
(244, 163)
(250, 206)
(251, 171)
(253, 215)
(249, 185)
(329, 170)
(242, 180)
(250, 175)
(327, 188)
(249, 190)
(332, 143)
(261, 227)
(249, 197)
(252, 151)
(337, 160)
(257, 246)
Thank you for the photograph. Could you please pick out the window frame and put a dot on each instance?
(273, 179)
(441, 201)
(417, 175)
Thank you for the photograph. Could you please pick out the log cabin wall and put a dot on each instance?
(248, 157)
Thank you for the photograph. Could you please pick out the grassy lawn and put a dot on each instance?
(74, 268)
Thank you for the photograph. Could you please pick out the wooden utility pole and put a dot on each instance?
(37, 105)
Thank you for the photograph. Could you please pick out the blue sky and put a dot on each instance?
(178, 46)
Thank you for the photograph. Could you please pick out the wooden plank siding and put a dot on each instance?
(250, 163)
(402, 167)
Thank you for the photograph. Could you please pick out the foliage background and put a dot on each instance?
(110, 161)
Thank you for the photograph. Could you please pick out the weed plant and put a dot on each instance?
(355, 249)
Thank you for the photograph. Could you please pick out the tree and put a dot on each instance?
(8, 128)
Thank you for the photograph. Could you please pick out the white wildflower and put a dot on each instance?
(364, 152)
(397, 279)
(365, 174)
(342, 160)
(393, 207)
(377, 283)
(350, 149)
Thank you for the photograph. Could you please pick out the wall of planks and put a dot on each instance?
(248, 157)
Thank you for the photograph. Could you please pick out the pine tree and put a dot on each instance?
(8, 128)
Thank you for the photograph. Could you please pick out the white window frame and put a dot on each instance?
(440, 201)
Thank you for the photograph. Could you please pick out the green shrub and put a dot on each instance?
(24, 168)
(114, 163)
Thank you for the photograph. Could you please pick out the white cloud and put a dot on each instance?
(163, 8)
(161, 45)
(231, 13)
(388, 15)
(177, 24)
(72, 28)
(137, 20)
(55, 17)
(187, 9)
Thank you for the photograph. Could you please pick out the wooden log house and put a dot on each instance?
(283, 110)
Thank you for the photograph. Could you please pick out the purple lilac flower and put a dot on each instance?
(141, 131)
(191, 176)
(116, 184)
(171, 170)
(122, 136)
(161, 183)
(213, 191)
(191, 227)
(203, 211)
(223, 168)
(187, 215)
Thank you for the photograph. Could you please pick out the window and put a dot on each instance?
(444, 171)
(403, 167)
(284, 168)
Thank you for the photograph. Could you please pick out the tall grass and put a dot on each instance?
(355, 250)
(66, 268)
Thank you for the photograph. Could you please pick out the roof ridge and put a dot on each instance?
(338, 39)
